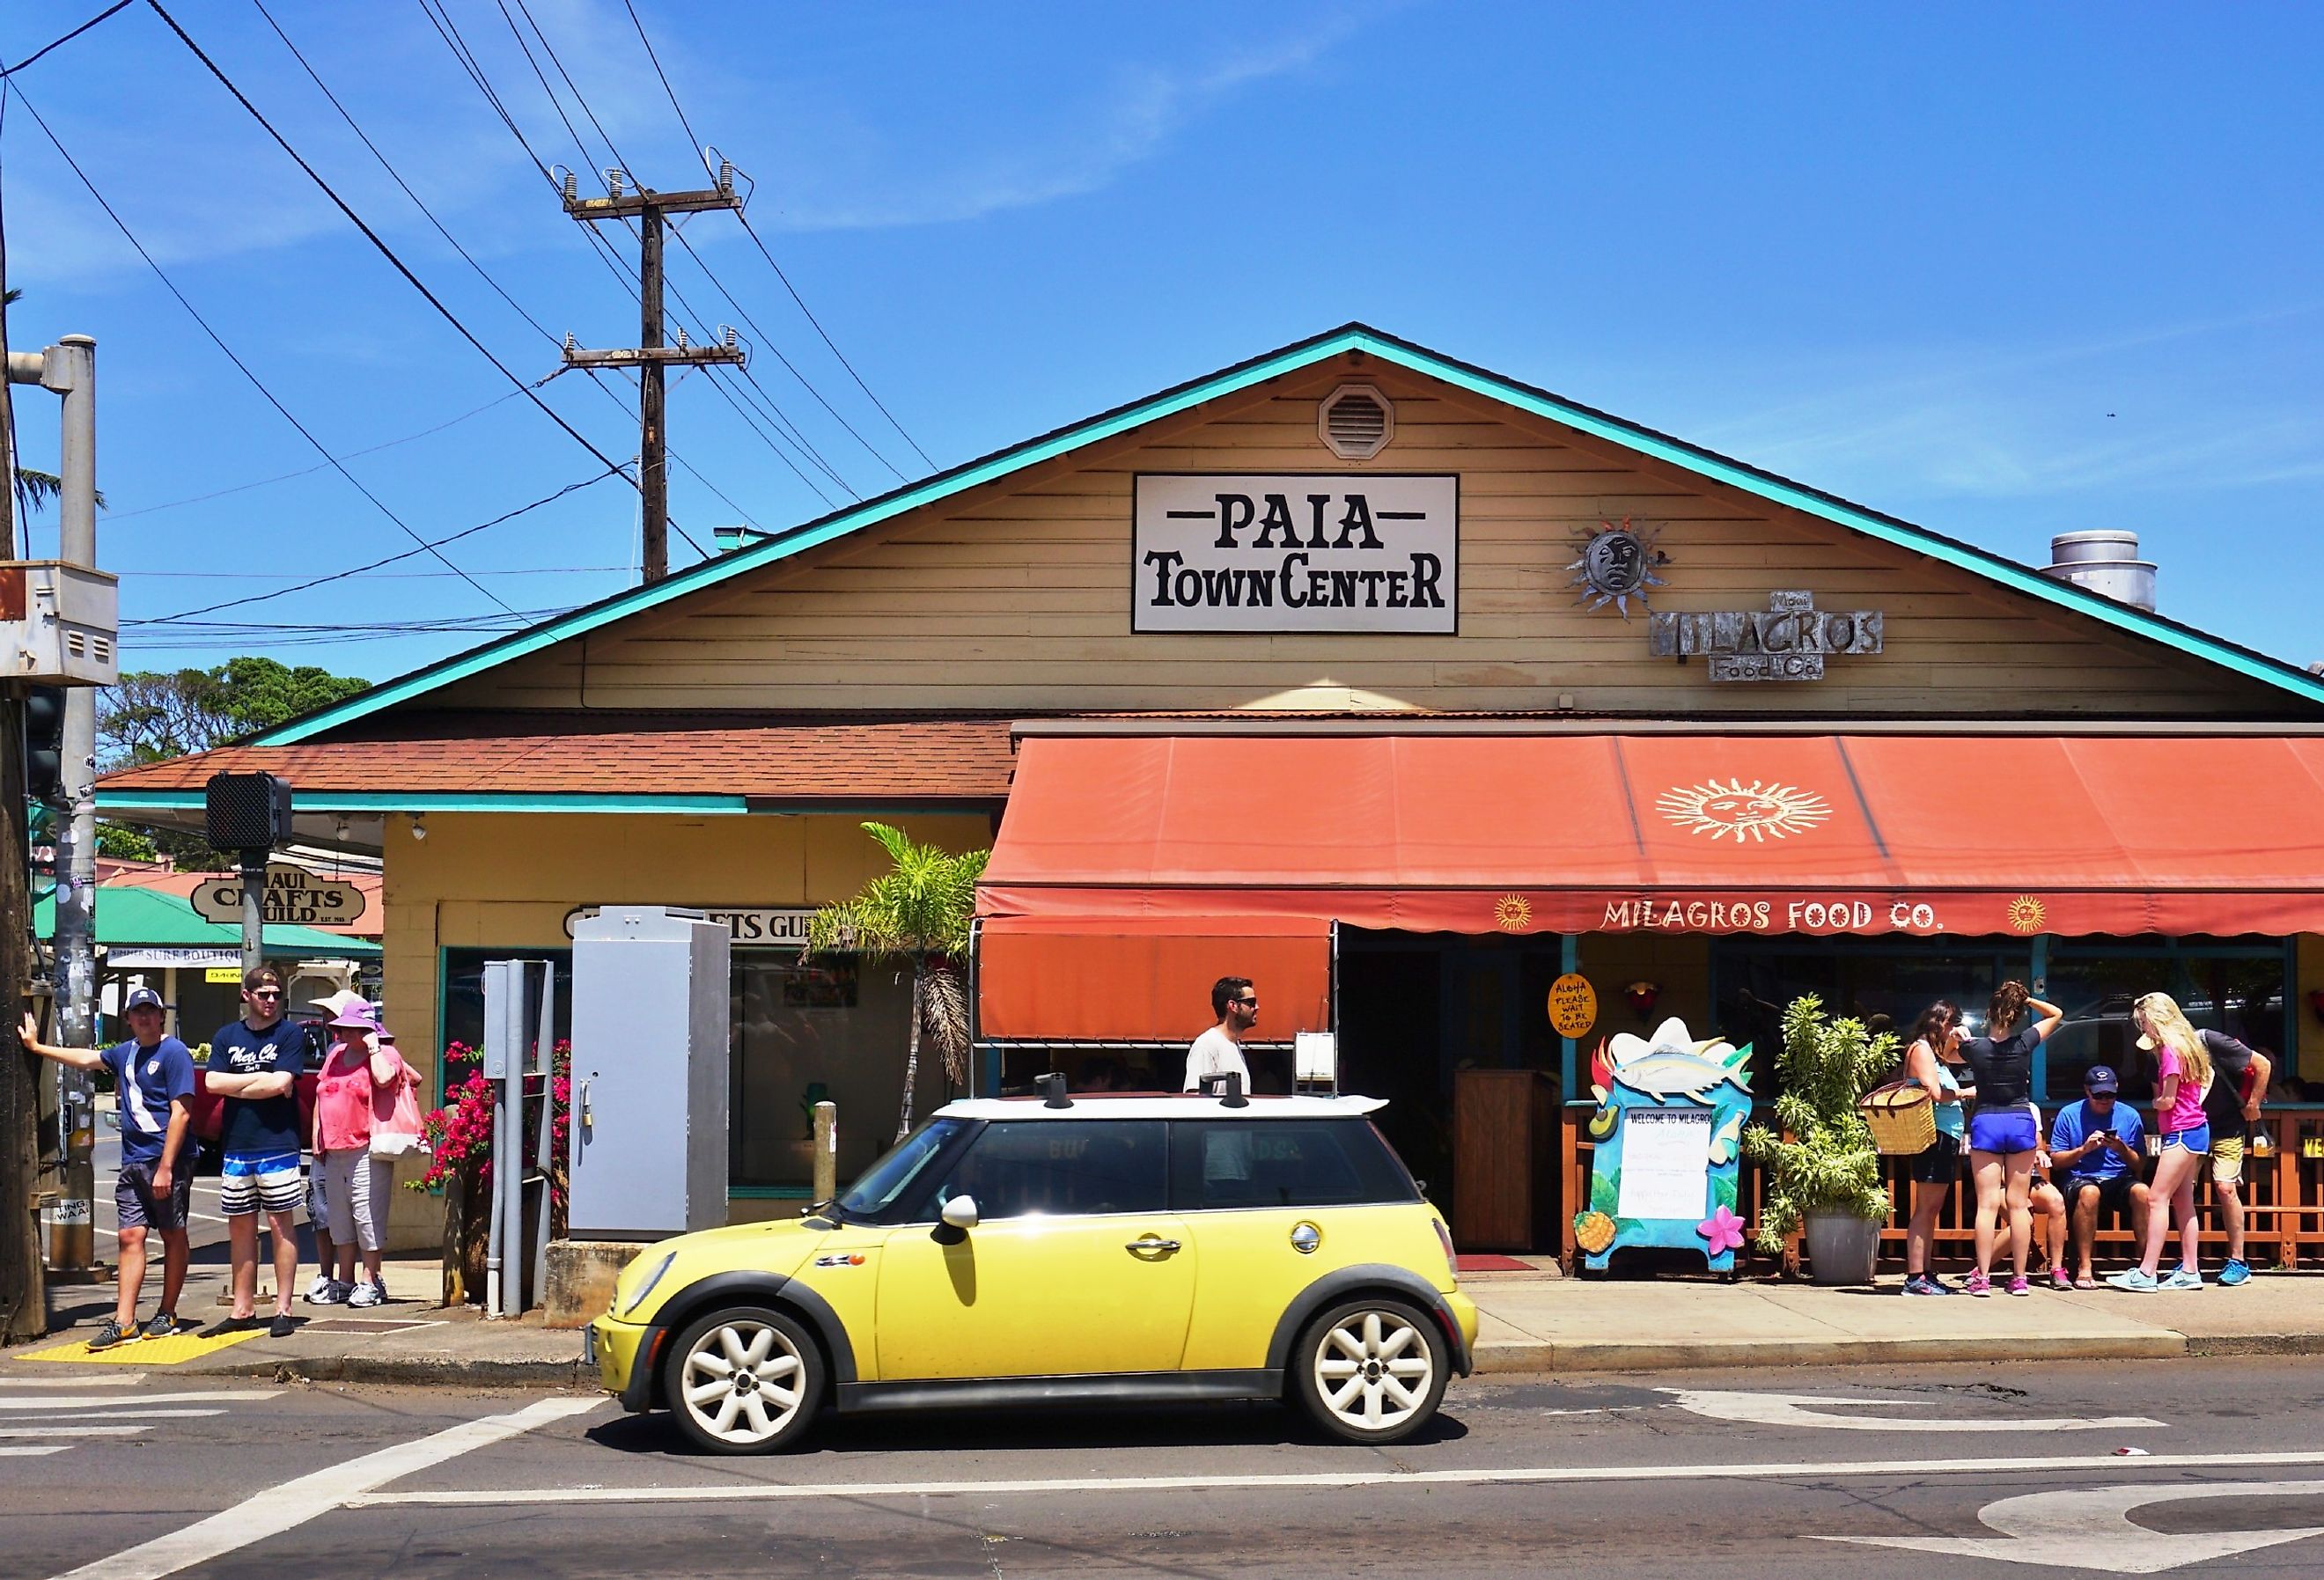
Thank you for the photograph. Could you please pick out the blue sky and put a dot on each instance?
(2003, 274)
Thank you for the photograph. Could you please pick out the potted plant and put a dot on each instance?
(1822, 1170)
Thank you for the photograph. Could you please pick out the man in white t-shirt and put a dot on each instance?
(1219, 1050)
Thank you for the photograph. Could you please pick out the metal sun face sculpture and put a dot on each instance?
(1617, 564)
(1740, 811)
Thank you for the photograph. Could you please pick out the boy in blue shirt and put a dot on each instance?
(254, 1065)
(154, 1086)
(2095, 1148)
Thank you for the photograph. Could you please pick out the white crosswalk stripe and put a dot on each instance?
(41, 1416)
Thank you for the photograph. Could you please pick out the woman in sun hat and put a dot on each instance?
(318, 1205)
(356, 1075)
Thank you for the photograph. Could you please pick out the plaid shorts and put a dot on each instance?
(252, 1180)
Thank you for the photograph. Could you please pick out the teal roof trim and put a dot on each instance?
(1352, 338)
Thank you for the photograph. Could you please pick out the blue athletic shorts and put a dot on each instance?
(2008, 1130)
(2195, 1138)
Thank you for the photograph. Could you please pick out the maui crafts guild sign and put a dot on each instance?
(1295, 552)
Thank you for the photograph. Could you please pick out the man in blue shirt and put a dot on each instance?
(2095, 1148)
(154, 1078)
(254, 1065)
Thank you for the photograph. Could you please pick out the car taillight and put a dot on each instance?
(1444, 1239)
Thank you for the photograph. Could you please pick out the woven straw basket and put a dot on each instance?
(1902, 1116)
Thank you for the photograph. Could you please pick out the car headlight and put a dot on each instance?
(646, 1285)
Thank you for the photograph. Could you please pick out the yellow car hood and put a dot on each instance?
(779, 1247)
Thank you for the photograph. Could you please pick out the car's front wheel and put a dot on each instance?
(1371, 1371)
(744, 1380)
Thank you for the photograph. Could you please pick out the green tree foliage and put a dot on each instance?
(915, 914)
(149, 715)
(1828, 1165)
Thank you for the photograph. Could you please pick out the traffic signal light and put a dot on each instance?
(44, 743)
(247, 811)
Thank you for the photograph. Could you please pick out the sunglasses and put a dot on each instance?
(266, 993)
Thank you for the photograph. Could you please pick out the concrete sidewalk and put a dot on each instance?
(1531, 1322)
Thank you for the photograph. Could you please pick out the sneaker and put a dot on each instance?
(2059, 1279)
(2235, 1272)
(161, 1324)
(283, 1326)
(2019, 1285)
(367, 1295)
(1977, 1284)
(110, 1333)
(1921, 1284)
(2182, 1277)
(335, 1293)
(2136, 1279)
(318, 1293)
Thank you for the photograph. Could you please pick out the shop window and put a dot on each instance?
(834, 1030)
(1019, 1169)
(2235, 992)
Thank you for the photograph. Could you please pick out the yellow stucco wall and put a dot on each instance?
(507, 880)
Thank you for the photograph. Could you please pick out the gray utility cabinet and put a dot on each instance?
(650, 1003)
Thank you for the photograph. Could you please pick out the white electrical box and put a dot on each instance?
(59, 624)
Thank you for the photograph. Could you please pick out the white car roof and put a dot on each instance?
(1160, 1105)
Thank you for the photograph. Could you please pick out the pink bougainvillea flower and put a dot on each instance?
(1723, 1229)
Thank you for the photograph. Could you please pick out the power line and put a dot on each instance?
(424, 548)
(783, 422)
(61, 42)
(244, 575)
(114, 516)
(240, 365)
(389, 253)
(763, 253)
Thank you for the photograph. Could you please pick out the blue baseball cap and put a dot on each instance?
(2100, 1077)
(142, 998)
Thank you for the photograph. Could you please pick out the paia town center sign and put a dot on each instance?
(1787, 640)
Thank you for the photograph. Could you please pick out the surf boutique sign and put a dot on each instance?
(1294, 552)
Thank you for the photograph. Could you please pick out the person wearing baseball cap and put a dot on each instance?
(154, 1076)
(2095, 1146)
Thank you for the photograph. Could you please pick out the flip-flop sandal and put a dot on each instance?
(2085, 1283)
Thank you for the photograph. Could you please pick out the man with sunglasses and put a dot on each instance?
(254, 1065)
(1219, 1050)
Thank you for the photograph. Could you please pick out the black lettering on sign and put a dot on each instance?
(1358, 519)
(1277, 519)
(1163, 561)
(1234, 515)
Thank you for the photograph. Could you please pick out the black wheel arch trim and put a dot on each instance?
(736, 1288)
(1348, 1282)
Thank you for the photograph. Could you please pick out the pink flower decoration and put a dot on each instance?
(1723, 1229)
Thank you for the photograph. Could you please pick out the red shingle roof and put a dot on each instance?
(805, 758)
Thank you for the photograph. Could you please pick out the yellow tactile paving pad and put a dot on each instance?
(145, 1351)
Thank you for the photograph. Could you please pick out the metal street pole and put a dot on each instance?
(24, 1284)
(69, 368)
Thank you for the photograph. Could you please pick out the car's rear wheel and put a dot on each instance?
(744, 1380)
(1371, 1371)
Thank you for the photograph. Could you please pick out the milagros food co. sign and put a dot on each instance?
(1295, 552)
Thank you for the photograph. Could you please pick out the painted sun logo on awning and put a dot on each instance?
(1513, 913)
(1743, 811)
(2027, 914)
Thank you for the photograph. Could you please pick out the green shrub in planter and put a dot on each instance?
(1829, 1164)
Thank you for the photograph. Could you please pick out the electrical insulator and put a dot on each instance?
(614, 180)
(726, 176)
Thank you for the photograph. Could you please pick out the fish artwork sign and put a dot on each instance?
(1669, 1127)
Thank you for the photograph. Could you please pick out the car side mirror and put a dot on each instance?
(959, 1213)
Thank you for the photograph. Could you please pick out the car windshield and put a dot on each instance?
(893, 1175)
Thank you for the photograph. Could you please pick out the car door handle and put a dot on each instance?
(1151, 1243)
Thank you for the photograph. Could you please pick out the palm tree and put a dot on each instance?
(34, 488)
(914, 914)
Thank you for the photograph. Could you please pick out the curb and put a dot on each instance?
(415, 1373)
(2258, 1343)
(1669, 1355)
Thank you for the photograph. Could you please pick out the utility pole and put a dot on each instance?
(24, 1284)
(650, 356)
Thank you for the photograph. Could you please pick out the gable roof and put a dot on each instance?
(1351, 337)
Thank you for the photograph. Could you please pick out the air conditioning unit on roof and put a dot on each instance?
(59, 624)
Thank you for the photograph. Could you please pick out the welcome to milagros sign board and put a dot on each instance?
(1295, 552)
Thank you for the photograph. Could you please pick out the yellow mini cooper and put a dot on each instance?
(1112, 1248)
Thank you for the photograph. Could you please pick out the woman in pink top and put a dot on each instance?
(357, 1074)
(2182, 1070)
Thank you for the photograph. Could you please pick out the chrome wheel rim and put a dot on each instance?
(742, 1382)
(1374, 1370)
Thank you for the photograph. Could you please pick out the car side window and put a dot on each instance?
(1017, 1168)
(1284, 1163)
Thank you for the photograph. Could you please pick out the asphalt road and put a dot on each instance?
(1685, 1475)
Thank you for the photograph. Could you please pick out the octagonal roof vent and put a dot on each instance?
(1356, 422)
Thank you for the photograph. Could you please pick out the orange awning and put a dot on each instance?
(1709, 833)
(1068, 979)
